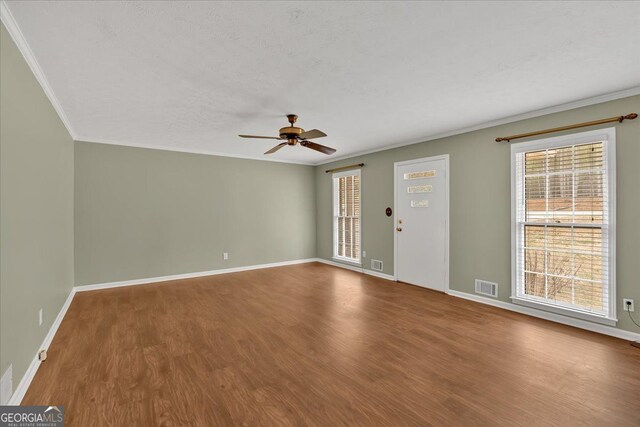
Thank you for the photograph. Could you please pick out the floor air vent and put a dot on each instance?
(486, 288)
(376, 265)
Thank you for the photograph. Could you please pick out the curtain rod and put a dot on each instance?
(618, 119)
(344, 167)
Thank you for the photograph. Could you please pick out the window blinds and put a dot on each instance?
(347, 216)
(562, 227)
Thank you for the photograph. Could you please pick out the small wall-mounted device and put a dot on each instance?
(628, 304)
(389, 212)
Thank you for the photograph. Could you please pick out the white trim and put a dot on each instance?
(6, 385)
(444, 157)
(510, 119)
(553, 317)
(186, 150)
(533, 312)
(347, 261)
(27, 378)
(633, 91)
(341, 264)
(612, 96)
(609, 135)
(19, 39)
(380, 275)
(16, 34)
(352, 267)
(23, 386)
(25, 382)
(144, 281)
(334, 214)
(562, 140)
(355, 171)
(565, 311)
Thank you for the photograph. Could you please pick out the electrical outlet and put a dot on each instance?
(627, 304)
(364, 254)
(40, 317)
(225, 255)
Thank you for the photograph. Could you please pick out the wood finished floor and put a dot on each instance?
(313, 344)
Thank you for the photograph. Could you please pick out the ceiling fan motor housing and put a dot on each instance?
(290, 133)
(293, 135)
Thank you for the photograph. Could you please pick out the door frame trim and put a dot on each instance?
(444, 157)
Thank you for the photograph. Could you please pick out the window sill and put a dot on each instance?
(604, 320)
(347, 261)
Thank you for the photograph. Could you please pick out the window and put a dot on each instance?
(563, 224)
(346, 216)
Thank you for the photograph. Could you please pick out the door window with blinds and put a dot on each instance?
(346, 216)
(563, 224)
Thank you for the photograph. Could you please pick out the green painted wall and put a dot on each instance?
(480, 207)
(36, 211)
(143, 213)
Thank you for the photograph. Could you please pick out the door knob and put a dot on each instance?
(398, 228)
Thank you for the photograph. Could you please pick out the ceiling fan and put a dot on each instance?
(293, 135)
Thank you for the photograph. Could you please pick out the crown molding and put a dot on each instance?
(16, 34)
(187, 151)
(510, 119)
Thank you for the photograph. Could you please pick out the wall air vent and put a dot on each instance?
(487, 288)
(376, 265)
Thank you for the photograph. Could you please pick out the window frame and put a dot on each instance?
(334, 188)
(609, 135)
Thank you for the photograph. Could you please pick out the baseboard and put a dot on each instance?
(338, 264)
(380, 275)
(23, 386)
(84, 288)
(357, 269)
(144, 281)
(553, 317)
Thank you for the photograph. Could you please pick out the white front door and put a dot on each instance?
(421, 221)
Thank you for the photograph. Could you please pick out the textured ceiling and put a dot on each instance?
(192, 75)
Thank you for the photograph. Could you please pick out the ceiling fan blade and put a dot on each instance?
(312, 134)
(321, 148)
(260, 137)
(276, 148)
